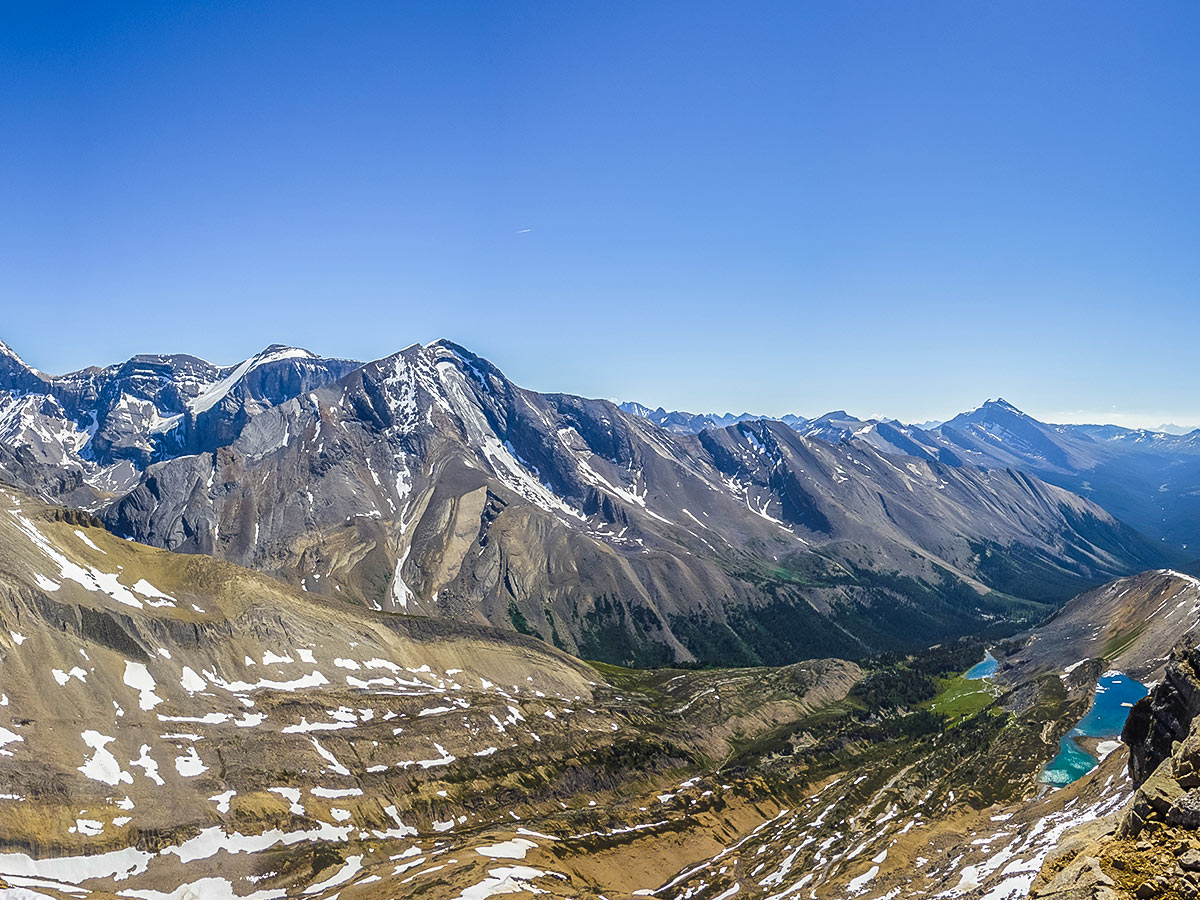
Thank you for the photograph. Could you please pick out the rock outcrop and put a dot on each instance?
(1164, 718)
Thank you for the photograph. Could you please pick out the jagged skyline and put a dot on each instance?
(1155, 421)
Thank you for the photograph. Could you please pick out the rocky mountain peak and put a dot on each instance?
(8, 351)
(1002, 405)
(16, 374)
(286, 349)
(990, 410)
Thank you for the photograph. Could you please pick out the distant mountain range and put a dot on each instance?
(1149, 479)
(694, 423)
(427, 482)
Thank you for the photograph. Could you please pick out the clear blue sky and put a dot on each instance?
(885, 207)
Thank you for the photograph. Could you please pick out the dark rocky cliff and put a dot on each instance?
(1164, 717)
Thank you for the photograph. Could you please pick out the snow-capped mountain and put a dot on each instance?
(426, 482)
(87, 435)
(170, 722)
(694, 423)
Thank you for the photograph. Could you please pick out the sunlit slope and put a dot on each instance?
(175, 723)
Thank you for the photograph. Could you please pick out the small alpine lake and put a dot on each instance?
(1116, 693)
(982, 669)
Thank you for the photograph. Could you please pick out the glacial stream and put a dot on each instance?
(1115, 695)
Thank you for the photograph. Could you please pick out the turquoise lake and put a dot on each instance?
(982, 669)
(1115, 695)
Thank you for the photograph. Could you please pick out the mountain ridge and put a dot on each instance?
(427, 482)
(1123, 469)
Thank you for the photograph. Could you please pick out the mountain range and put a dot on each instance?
(427, 482)
(1149, 479)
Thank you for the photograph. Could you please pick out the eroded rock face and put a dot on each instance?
(1163, 731)
(1082, 878)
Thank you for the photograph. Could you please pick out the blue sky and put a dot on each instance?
(900, 208)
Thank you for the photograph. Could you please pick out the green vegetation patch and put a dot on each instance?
(614, 633)
(959, 698)
(519, 622)
(1119, 643)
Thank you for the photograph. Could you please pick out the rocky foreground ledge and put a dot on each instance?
(1151, 849)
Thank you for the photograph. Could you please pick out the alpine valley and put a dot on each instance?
(311, 627)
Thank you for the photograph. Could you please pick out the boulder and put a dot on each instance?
(1185, 811)
(1153, 799)
(1187, 759)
